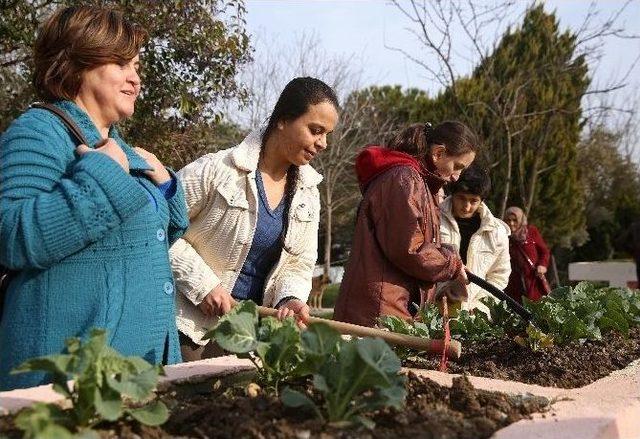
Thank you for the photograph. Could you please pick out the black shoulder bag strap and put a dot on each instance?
(64, 117)
(6, 274)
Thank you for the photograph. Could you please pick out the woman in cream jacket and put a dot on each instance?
(482, 240)
(254, 211)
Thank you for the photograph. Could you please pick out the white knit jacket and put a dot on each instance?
(488, 253)
(222, 199)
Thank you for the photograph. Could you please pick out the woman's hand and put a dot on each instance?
(217, 303)
(541, 270)
(297, 309)
(462, 277)
(111, 149)
(159, 173)
(454, 290)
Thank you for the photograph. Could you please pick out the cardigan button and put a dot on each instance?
(160, 235)
(168, 288)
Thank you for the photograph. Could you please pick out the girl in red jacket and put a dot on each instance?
(529, 258)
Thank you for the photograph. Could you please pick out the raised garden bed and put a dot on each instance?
(569, 366)
(221, 408)
(580, 335)
(318, 385)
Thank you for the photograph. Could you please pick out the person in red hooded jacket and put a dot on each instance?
(396, 255)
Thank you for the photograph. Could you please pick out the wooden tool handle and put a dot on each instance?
(418, 343)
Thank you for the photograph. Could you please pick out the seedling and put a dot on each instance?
(103, 383)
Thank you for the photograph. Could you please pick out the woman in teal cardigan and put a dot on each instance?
(86, 228)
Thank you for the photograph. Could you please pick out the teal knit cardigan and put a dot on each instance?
(90, 248)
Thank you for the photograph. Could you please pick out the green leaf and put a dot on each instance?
(87, 356)
(367, 423)
(320, 339)
(268, 326)
(295, 399)
(61, 389)
(108, 404)
(53, 431)
(86, 434)
(236, 330)
(43, 421)
(136, 387)
(280, 356)
(141, 365)
(238, 334)
(379, 356)
(320, 383)
(393, 396)
(396, 324)
(55, 364)
(153, 414)
(421, 330)
(318, 342)
(58, 366)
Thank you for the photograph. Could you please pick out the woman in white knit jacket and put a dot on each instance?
(254, 211)
(481, 239)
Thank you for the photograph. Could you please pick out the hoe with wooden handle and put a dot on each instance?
(418, 343)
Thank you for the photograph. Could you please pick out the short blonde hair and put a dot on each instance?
(79, 38)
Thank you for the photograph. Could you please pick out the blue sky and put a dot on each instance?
(361, 30)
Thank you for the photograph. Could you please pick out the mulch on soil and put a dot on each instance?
(569, 366)
(432, 411)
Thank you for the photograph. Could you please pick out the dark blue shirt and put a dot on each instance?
(167, 188)
(265, 248)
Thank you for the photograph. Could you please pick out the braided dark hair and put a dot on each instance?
(296, 98)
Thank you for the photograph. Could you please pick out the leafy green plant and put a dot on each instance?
(363, 376)
(353, 376)
(584, 312)
(102, 381)
(402, 326)
(429, 319)
(272, 345)
(535, 339)
(427, 324)
(502, 316)
(476, 326)
(579, 313)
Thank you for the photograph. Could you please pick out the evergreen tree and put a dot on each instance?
(523, 100)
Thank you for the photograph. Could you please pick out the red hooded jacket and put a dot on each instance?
(396, 254)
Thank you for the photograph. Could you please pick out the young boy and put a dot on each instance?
(481, 239)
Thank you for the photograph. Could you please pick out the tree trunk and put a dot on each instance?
(328, 232)
(507, 183)
(532, 185)
(540, 150)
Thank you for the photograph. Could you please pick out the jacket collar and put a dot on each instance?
(488, 222)
(246, 155)
(87, 127)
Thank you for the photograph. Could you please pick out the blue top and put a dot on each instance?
(167, 189)
(89, 247)
(265, 248)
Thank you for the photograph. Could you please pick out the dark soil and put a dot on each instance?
(568, 366)
(432, 411)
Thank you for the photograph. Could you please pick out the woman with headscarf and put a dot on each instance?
(529, 258)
